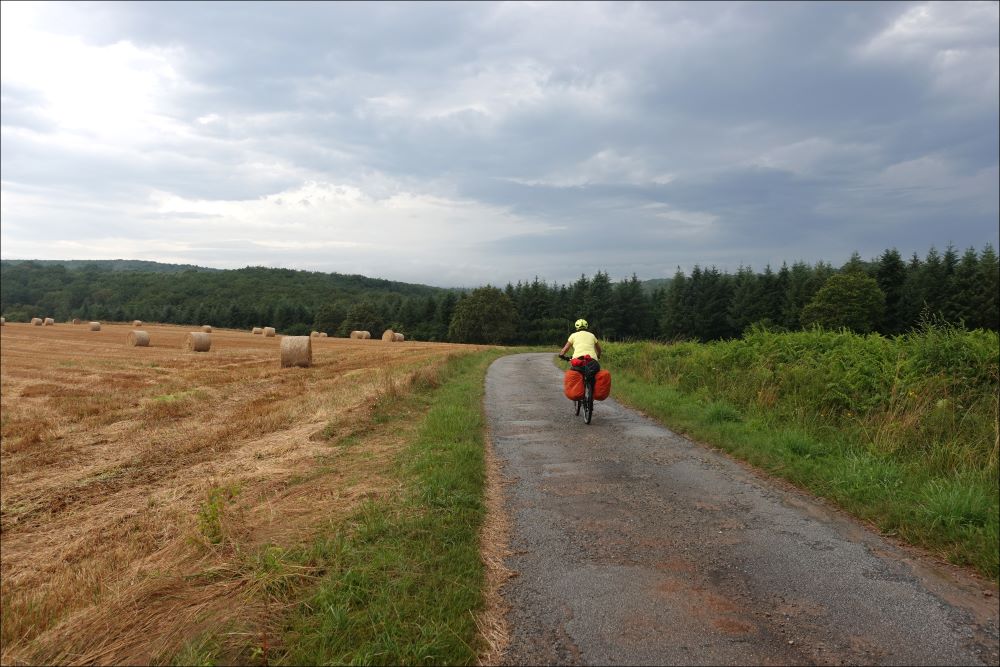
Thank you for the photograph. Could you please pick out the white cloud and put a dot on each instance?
(109, 93)
(955, 41)
(606, 167)
(812, 155)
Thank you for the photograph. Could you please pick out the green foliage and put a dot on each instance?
(891, 278)
(404, 577)
(202, 651)
(362, 317)
(847, 300)
(707, 305)
(486, 316)
(901, 431)
(211, 513)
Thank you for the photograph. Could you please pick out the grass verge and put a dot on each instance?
(402, 578)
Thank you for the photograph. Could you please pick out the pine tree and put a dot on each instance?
(674, 317)
(712, 295)
(797, 295)
(988, 301)
(633, 308)
(744, 307)
(443, 314)
(599, 307)
(911, 303)
(960, 306)
(933, 284)
(891, 278)
(771, 293)
(854, 265)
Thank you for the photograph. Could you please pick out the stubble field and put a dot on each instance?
(138, 486)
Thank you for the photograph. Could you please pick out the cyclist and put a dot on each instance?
(586, 349)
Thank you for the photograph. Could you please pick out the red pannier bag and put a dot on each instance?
(602, 385)
(573, 385)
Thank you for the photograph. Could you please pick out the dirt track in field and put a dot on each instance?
(633, 545)
(111, 454)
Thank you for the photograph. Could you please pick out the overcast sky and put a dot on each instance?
(458, 144)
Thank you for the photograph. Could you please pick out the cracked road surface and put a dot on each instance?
(632, 545)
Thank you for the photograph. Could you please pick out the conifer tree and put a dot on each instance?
(599, 307)
(674, 317)
(891, 278)
(745, 306)
(988, 298)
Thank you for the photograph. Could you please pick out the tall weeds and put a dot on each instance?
(931, 394)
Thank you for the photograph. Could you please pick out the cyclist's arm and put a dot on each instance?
(566, 348)
(597, 346)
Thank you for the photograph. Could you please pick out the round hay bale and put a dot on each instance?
(256, 331)
(314, 334)
(322, 334)
(36, 321)
(206, 328)
(269, 332)
(48, 322)
(76, 320)
(296, 351)
(198, 341)
(137, 323)
(137, 339)
(361, 335)
(398, 337)
(95, 326)
(3, 321)
(389, 335)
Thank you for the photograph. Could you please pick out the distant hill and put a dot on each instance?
(121, 290)
(112, 265)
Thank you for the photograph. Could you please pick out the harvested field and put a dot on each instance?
(139, 485)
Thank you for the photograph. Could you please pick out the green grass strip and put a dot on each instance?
(403, 577)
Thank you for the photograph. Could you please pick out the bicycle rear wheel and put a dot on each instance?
(588, 402)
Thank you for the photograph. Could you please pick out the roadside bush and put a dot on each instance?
(931, 393)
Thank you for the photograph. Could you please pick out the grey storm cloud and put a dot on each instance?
(463, 143)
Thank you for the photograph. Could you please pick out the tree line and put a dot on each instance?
(888, 295)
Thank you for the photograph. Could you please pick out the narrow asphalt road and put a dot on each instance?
(633, 545)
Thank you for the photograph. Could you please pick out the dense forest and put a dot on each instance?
(888, 295)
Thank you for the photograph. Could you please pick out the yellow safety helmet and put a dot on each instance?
(581, 324)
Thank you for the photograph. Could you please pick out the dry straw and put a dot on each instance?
(137, 323)
(206, 328)
(137, 339)
(361, 335)
(269, 332)
(198, 341)
(389, 335)
(95, 326)
(296, 351)
(49, 322)
(36, 321)
(257, 331)
(76, 320)
(398, 337)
